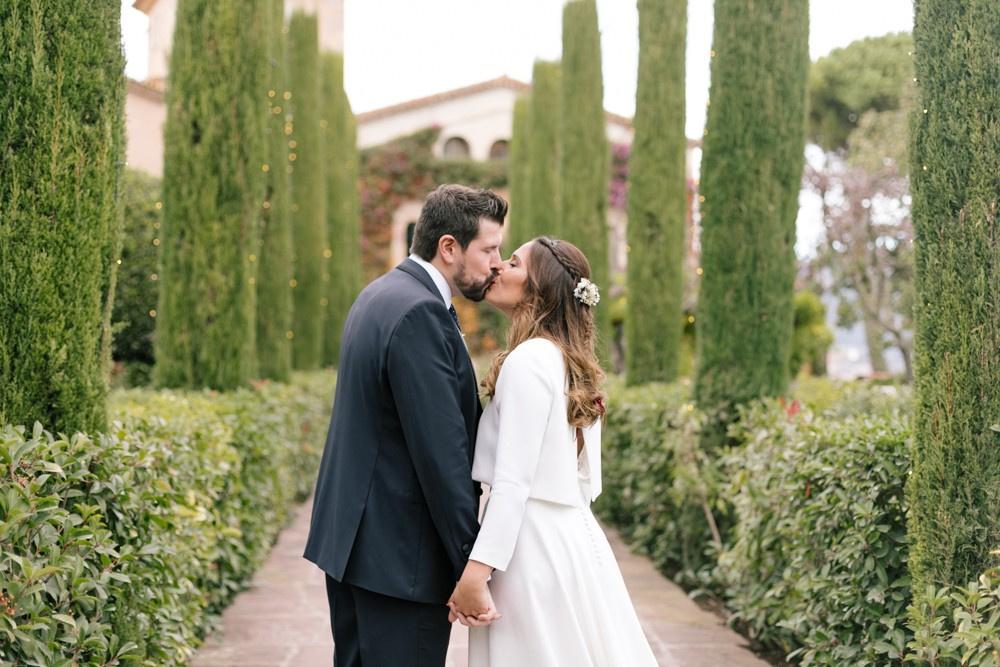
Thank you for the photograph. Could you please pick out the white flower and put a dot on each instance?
(587, 293)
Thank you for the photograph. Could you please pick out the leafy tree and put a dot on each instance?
(542, 215)
(274, 291)
(751, 173)
(585, 158)
(308, 199)
(61, 150)
(342, 208)
(213, 189)
(521, 224)
(867, 75)
(954, 520)
(657, 202)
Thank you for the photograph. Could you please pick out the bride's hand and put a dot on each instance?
(471, 602)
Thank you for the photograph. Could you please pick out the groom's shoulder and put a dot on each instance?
(394, 294)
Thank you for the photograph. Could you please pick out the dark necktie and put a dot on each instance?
(454, 316)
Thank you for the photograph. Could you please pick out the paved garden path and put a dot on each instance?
(281, 621)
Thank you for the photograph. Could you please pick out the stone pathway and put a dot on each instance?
(282, 620)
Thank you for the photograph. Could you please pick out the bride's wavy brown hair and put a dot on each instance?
(549, 310)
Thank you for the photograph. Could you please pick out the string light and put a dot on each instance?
(252, 258)
(154, 277)
(699, 271)
(293, 143)
(271, 93)
(152, 313)
(287, 95)
(159, 205)
(289, 335)
(252, 281)
(156, 241)
(690, 319)
(293, 283)
(328, 253)
(266, 205)
(292, 157)
(265, 168)
(701, 199)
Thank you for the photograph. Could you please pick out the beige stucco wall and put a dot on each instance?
(331, 20)
(145, 114)
(480, 119)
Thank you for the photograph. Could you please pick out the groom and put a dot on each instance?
(395, 512)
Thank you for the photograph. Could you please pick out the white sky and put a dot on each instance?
(396, 50)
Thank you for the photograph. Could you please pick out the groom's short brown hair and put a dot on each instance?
(455, 210)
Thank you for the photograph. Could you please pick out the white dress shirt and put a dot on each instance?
(436, 276)
(526, 448)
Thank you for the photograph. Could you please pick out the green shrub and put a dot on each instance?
(137, 291)
(799, 527)
(124, 545)
(957, 625)
(659, 489)
(811, 338)
(62, 96)
(816, 561)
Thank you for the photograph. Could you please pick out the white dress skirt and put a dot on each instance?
(556, 583)
(563, 599)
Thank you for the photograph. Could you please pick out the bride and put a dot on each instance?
(542, 586)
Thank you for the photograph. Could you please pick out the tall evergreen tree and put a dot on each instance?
(955, 168)
(213, 186)
(519, 177)
(308, 200)
(585, 158)
(61, 154)
(657, 197)
(342, 206)
(274, 291)
(542, 215)
(750, 176)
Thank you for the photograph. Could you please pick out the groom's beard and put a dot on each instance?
(472, 290)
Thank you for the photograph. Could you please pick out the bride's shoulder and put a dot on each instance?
(536, 349)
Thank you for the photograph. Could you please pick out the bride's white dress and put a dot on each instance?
(557, 584)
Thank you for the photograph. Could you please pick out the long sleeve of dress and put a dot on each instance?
(525, 393)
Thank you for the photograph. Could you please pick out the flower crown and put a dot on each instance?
(587, 293)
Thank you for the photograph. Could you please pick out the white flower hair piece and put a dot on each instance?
(587, 293)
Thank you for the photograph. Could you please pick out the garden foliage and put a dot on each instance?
(750, 179)
(120, 548)
(62, 96)
(657, 199)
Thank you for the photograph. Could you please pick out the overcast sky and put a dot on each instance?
(396, 50)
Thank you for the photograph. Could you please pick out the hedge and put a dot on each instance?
(123, 545)
(62, 102)
(799, 528)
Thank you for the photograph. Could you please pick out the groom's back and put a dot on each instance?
(371, 523)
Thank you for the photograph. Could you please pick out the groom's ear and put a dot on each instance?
(447, 248)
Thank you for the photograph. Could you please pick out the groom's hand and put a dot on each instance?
(471, 602)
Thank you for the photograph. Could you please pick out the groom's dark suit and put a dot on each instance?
(395, 512)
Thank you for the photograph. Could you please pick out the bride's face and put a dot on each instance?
(507, 289)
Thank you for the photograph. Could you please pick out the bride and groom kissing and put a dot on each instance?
(395, 523)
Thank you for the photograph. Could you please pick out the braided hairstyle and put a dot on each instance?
(549, 310)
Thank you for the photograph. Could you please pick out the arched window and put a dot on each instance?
(499, 150)
(456, 147)
(409, 235)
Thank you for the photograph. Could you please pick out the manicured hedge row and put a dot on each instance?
(123, 546)
(799, 529)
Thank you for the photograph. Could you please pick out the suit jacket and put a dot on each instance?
(395, 509)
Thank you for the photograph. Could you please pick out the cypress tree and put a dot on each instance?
(519, 177)
(543, 150)
(308, 198)
(955, 167)
(274, 291)
(213, 186)
(342, 206)
(657, 197)
(585, 158)
(61, 155)
(750, 176)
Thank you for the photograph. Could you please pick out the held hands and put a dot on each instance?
(471, 602)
